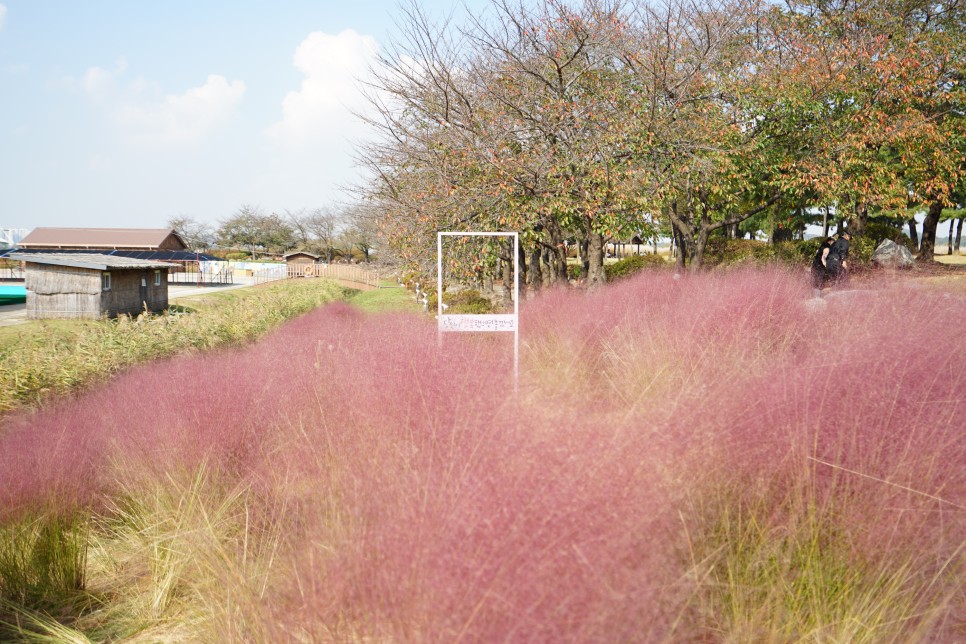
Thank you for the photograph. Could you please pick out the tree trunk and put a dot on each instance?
(913, 233)
(594, 262)
(507, 273)
(927, 248)
(825, 223)
(546, 268)
(857, 226)
(679, 249)
(949, 240)
(558, 272)
(959, 235)
(522, 261)
(697, 256)
(536, 270)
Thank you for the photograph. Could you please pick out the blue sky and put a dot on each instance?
(118, 113)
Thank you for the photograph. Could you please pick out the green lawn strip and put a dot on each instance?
(54, 357)
(384, 300)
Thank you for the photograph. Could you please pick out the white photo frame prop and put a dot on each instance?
(485, 323)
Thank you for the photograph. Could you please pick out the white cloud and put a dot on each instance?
(3, 15)
(322, 107)
(99, 84)
(181, 119)
(145, 117)
(96, 82)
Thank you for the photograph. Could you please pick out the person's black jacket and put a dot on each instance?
(836, 255)
(817, 263)
(840, 249)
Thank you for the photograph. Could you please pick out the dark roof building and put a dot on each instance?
(134, 239)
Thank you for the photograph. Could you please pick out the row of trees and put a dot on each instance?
(604, 119)
(330, 233)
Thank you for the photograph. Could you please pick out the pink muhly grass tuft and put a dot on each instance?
(420, 500)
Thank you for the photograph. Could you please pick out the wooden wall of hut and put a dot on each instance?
(62, 292)
(125, 294)
(76, 293)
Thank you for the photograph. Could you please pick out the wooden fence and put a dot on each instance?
(342, 272)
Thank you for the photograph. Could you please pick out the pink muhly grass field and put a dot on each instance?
(425, 502)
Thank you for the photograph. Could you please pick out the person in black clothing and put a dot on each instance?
(819, 269)
(837, 260)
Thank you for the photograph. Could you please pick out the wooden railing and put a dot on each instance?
(342, 272)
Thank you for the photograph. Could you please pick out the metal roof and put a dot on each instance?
(93, 261)
(156, 255)
(146, 238)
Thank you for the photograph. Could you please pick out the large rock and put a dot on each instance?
(889, 254)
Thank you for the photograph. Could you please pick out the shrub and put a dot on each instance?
(630, 265)
(468, 301)
(797, 252)
(729, 252)
(879, 230)
(861, 249)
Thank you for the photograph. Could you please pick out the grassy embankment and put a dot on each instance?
(705, 459)
(58, 356)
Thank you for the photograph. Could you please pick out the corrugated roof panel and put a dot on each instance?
(93, 261)
(148, 238)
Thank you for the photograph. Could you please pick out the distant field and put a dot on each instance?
(951, 259)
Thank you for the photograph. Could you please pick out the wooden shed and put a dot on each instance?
(82, 286)
(300, 257)
(300, 263)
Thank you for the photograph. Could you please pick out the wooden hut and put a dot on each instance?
(90, 286)
(300, 263)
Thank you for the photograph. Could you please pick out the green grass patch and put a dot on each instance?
(784, 569)
(385, 299)
(43, 561)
